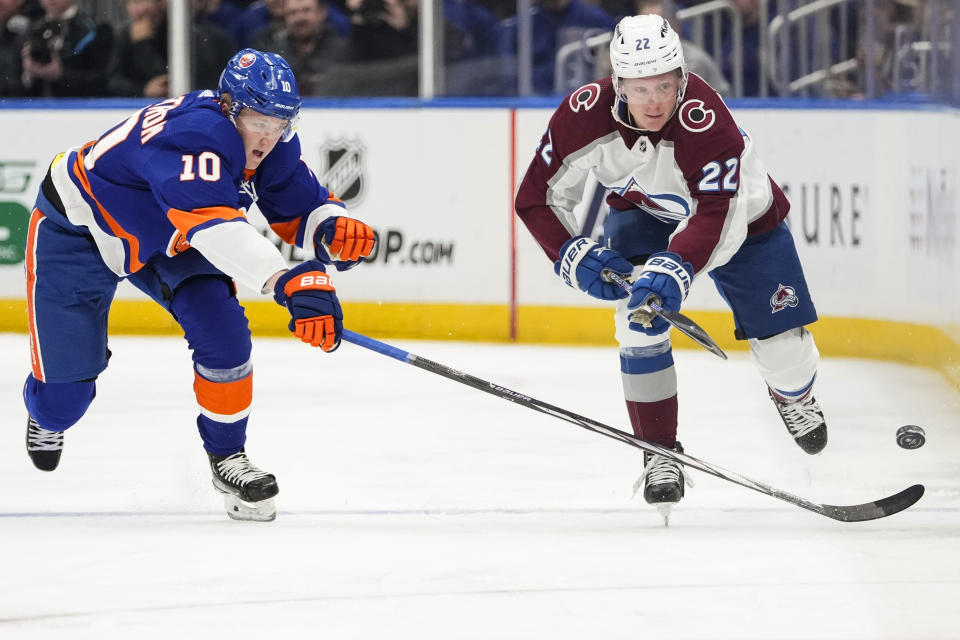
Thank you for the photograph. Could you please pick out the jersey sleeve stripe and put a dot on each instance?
(332, 207)
(189, 222)
(131, 240)
(287, 230)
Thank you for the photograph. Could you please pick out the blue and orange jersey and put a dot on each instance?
(175, 168)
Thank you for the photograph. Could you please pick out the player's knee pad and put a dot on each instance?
(57, 406)
(213, 322)
(787, 361)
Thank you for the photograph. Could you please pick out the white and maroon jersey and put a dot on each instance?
(699, 171)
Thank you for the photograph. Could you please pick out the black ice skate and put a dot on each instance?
(247, 491)
(43, 446)
(804, 421)
(665, 481)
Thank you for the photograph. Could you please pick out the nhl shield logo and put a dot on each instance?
(342, 169)
(784, 297)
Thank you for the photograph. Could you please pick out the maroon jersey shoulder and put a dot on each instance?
(702, 129)
(583, 117)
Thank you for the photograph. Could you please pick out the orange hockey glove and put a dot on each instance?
(308, 294)
(343, 242)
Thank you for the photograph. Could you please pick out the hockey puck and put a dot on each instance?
(911, 436)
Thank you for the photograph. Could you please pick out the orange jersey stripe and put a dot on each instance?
(225, 398)
(288, 230)
(185, 221)
(31, 264)
(81, 173)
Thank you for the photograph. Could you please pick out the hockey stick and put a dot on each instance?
(683, 324)
(852, 513)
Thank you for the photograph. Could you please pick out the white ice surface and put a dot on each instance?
(413, 507)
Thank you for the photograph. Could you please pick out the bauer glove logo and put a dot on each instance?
(314, 279)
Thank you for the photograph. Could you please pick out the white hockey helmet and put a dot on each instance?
(645, 46)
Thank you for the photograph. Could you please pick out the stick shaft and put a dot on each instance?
(867, 511)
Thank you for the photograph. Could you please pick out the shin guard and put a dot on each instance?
(650, 390)
(224, 396)
(216, 329)
(787, 362)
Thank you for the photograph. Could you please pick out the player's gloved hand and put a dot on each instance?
(666, 276)
(582, 263)
(309, 296)
(343, 242)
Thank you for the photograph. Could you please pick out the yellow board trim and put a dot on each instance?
(904, 342)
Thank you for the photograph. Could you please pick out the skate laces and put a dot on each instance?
(662, 470)
(238, 469)
(40, 439)
(801, 417)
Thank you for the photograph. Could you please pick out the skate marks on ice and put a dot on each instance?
(413, 506)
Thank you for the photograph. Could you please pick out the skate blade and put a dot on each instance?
(664, 508)
(237, 509)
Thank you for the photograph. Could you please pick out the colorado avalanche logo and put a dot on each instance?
(695, 118)
(668, 207)
(246, 60)
(784, 297)
(585, 97)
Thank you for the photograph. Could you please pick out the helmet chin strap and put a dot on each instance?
(619, 105)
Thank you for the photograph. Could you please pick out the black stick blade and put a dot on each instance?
(692, 330)
(877, 509)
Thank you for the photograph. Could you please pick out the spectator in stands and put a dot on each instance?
(222, 13)
(383, 53)
(259, 15)
(475, 27)
(13, 27)
(501, 9)
(31, 9)
(66, 53)
(750, 21)
(382, 29)
(381, 58)
(139, 66)
(307, 42)
(698, 61)
(265, 14)
(889, 19)
(470, 49)
(555, 23)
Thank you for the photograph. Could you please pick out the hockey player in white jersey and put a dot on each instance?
(688, 196)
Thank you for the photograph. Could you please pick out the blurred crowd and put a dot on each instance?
(66, 48)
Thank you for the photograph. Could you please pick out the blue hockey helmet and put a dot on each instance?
(263, 82)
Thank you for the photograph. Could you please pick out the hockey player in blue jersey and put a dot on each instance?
(160, 200)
